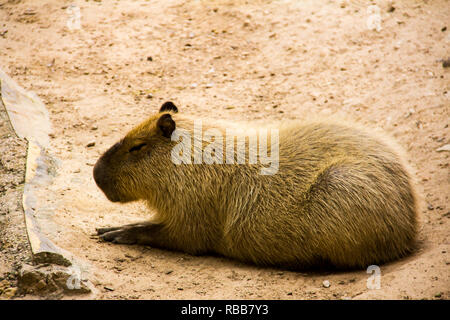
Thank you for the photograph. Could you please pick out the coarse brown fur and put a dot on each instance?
(342, 196)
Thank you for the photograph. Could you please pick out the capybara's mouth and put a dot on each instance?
(112, 197)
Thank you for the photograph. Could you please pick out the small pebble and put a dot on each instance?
(29, 12)
(9, 293)
(326, 284)
(410, 112)
(41, 284)
(446, 63)
(118, 268)
(90, 144)
(444, 148)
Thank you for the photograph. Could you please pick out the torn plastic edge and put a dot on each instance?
(43, 249)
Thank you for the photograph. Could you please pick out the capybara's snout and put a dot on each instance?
(102, 177)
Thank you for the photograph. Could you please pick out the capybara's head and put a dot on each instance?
(129, 168)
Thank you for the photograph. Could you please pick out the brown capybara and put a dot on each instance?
(338, 196)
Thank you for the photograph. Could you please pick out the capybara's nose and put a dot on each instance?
(100, 168)
(99, 174)
(103, 181)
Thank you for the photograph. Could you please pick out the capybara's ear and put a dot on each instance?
(168, 106)
(166, 125)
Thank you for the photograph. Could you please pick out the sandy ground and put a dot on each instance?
(252, 60)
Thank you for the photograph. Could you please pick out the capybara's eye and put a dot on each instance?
(137, 147)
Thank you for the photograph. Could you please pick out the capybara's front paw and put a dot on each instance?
(120, 235)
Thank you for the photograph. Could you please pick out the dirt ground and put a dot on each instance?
(14, 246)
(233, 59)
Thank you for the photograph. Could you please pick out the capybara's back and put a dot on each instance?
(341, 196)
